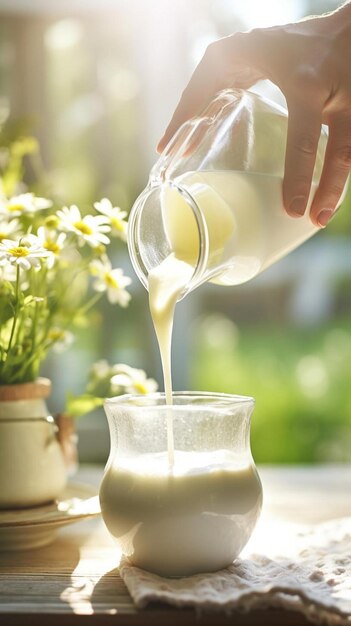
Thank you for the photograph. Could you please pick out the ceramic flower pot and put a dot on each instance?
(32, 467)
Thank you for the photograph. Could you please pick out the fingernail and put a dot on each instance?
(298, 205)
(159, 146)
(324, 217)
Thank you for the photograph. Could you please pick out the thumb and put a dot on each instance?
(228, 62)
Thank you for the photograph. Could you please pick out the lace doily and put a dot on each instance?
(299, 568)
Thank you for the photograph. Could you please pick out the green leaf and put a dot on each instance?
(76, 406)
(28, 300)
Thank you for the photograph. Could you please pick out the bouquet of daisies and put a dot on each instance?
(54, 267)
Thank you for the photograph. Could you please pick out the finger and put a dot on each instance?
(304, 127)
(226, 62)
(336, 168)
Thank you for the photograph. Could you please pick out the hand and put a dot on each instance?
(310, 61)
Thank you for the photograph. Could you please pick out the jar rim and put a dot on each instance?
(135, 400)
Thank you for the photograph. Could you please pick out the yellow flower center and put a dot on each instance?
(15, 207)
(83, 227)
(110, 281)
(140, 387)
(51, 246)
(2, 236)
(118, 224)
(52, 221)
(56, 335)
(19, 251)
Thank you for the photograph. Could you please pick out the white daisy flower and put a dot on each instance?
(8, 227)
(112, 281)
(89, 229)
(25, 253)
(130, 380)
(53, 241)
(62, 339)
(101, 369)
(24, 203)
(116, 217)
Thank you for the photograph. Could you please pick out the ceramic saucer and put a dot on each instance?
(23, 529)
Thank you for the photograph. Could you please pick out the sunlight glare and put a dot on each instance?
(258, 14)
(312, 376)
(64, 34)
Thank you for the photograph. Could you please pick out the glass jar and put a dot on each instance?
(197, 515)
(214, 197)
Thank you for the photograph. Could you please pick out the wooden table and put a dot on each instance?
(75, 580)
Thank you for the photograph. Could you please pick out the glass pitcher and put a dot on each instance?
(214, 197)
(197, 515)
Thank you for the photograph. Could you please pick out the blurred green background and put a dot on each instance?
(96, 83)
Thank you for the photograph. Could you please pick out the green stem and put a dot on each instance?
(90, 303)
(16, 309)
(34, 326)
(19, 373)
(84, 309)
(60, 296)
(45, 344)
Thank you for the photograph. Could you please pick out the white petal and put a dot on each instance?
(42, 203)
(102, 239)
(95, 220)
(123, 298)
(31, 240)
(23, 262)
(74, 213)
(99, 285)
(104, 206)
(122, 368)
(61, 239)
(8, 243)
(151, 385)
(121, 380)
(113, 295)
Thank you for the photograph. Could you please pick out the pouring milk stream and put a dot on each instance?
(259, 199)
(213, 210)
